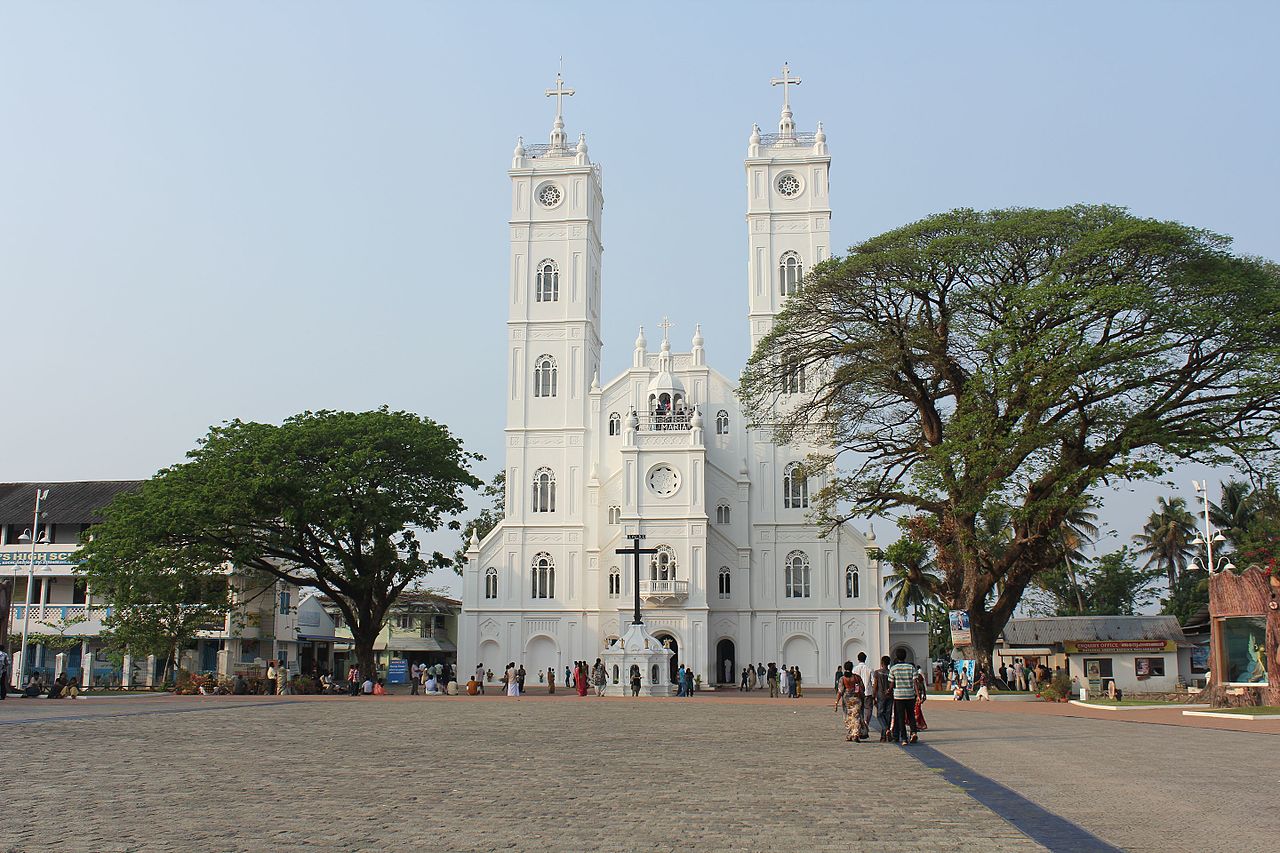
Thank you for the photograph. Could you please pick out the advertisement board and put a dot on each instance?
(398, 671)
(960, 634)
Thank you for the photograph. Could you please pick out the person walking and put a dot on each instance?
(882, 697)
(983, 684)
(415, 672)
(520, 677)
(752, 681)
(680, 681)
(688, 682)
(797, 683)
(850, 697)
(742, 687)
(771, 677)
(551, 681)
(480, 678)
(902, 676)
(1004, 676)
(599, 677)
(635, 680)
(760, 676)
(512, 679)
(4, 673)
(863, 672)
(271, 678)
(582, 678)
(353, 681)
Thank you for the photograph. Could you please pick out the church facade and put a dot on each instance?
(740, 573)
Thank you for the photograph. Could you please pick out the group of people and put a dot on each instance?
(61, 687)
(434, 680)
(781, 681)
(892, 695)
(580, 677)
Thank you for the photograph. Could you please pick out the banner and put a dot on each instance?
(1095, 647)
(960, 635)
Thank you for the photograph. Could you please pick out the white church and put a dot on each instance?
(741, 574)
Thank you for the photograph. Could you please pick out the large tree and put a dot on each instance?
(1017, 357)
(330, 500)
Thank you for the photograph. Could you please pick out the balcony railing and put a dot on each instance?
(664, 590)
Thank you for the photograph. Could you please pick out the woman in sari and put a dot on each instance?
(581, 679)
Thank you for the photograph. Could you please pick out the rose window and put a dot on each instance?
(549, 195)
(664, 481)
(789, 185)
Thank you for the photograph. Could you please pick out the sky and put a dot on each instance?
(246, 210)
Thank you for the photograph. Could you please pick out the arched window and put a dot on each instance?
(544, 576)
(722, 514)
(724, 582)
(790, 271)
(548, 284)
(722, 422)
(851, 582)
(544, 376)
(615, 582)
(491, 583)
(615, 423)
(792, 376)
(544, 491)
(615, 515)
(797, 575)
(663, 565)
(795, 487)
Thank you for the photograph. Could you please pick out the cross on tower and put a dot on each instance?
(784, 81)
(665, 326)
(635, 550)
(559, 92)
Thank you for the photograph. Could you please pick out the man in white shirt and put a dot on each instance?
(480, 677)
(863, 671)
(271, 678)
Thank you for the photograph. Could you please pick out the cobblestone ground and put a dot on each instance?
(463, 774)
(1147, 781)
(563, 773)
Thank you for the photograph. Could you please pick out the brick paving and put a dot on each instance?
(562, 773)
(466, 774)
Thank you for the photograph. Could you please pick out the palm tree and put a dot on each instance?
(1236, 510)
(1166, 538)
(912, 583)
(1078, 529)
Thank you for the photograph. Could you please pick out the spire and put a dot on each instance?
(820, 141)
(786, 125)
(557, 129)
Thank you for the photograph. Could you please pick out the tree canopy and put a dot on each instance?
(1019, 358)
(335, 501)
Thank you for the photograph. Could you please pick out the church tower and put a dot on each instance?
(788, 210)
(553, 338)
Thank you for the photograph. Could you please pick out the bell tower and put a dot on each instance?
(553, 343)
(788, 210)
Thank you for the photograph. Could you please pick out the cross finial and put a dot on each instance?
(559, 92)
(784, 81)
(665, 326)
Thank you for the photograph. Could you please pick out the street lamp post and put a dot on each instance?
(1209, 537)
(34, 536)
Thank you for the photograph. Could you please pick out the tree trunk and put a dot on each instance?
(982, 639)
(363, 638)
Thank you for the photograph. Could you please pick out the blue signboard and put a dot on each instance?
(398, 671)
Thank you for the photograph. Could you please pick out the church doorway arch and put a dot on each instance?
(540, 653)
(803, 652)
(851, 649)
(726, 663)
(490, 656)
(669, 641)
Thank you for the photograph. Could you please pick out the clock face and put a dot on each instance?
(788, 185)
(549, 195)
(664, 481)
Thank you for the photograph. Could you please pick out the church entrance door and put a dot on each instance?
(670, 642)
(726, 666)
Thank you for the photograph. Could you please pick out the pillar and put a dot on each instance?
(59, 664)
(86, 665)
(126, 673)
(224, 663)
(149, 677)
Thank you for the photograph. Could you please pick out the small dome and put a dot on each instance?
(666, 381)
(696, 420)
(755, 134)
(519, 152)
(697, 335)
(641, 343)
(582, 143)
(821, 135)
(633, 420)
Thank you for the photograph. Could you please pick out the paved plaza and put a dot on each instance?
(564, 773)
